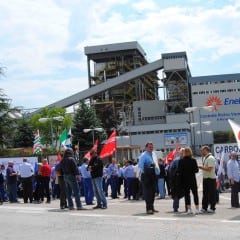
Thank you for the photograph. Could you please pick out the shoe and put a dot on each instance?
(197, 212)
(71, 208)
(175, 211)
(202, 211)
(103, 207)
(211, 211)
(189, 212)
(150, 212)
(81, 208)
(96, 207)
(155, 211)
(48, 201)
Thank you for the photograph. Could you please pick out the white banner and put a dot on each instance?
(17, 161)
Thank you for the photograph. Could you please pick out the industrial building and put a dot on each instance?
(121, 78)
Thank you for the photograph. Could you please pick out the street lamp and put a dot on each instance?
(43, 120)
(87, 130)
(193, 124)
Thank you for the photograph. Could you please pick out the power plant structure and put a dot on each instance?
(149, 100)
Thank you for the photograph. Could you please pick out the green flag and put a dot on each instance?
(63, 136)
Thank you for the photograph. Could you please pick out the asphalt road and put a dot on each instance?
(123, 219)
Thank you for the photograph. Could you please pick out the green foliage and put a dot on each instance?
(85, 117)
(45, 127)
(24, 136)
(7, 123)
(106, 113)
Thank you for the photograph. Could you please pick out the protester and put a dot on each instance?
(12, 183)
(45, 172)
(71, 175)
(95, 167)
(149, 169)
(187, 169)
(161, 178)
(62, 186)
(209, 181)
(113, 172)
(3, 190)
(87, 183)
(174, 179)
(26, 175)
(233, 173)
(129, 174)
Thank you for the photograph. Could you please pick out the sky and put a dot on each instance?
(42, 41)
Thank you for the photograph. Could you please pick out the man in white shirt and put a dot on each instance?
(26, 173)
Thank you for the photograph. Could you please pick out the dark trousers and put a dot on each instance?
(114, 184)
(63, 195)
(209, 193)
(45, 185)
(129, 187)
(135, 188)
(234, 194)
(149, 188)
(193, 188)
(27, 186)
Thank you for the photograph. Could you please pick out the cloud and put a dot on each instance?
(42, 42)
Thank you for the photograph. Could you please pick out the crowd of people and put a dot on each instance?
(143, 178)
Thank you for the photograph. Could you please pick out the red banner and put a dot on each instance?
(95, 147)
(172, 155)
(110, 146)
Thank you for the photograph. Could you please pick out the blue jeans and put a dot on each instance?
(72, 186)
(88, 190)
(161, 187)
(98, 191)
(3, 192)
(12, 191)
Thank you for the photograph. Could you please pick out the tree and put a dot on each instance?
(24, 136)
(85, 117)
(45, 127)
(7, 120)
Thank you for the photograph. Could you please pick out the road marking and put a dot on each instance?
(158, 218)
(230, 221)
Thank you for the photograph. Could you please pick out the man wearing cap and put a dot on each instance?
(26, 173)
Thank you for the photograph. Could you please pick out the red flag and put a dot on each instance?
(110, 146)
(59, 157)
(95, 147)
(172, 155)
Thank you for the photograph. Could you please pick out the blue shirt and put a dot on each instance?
(84, 172)
(26, 170)
(113, 170)
(145, 160)
(233, 170)
(129, 172)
